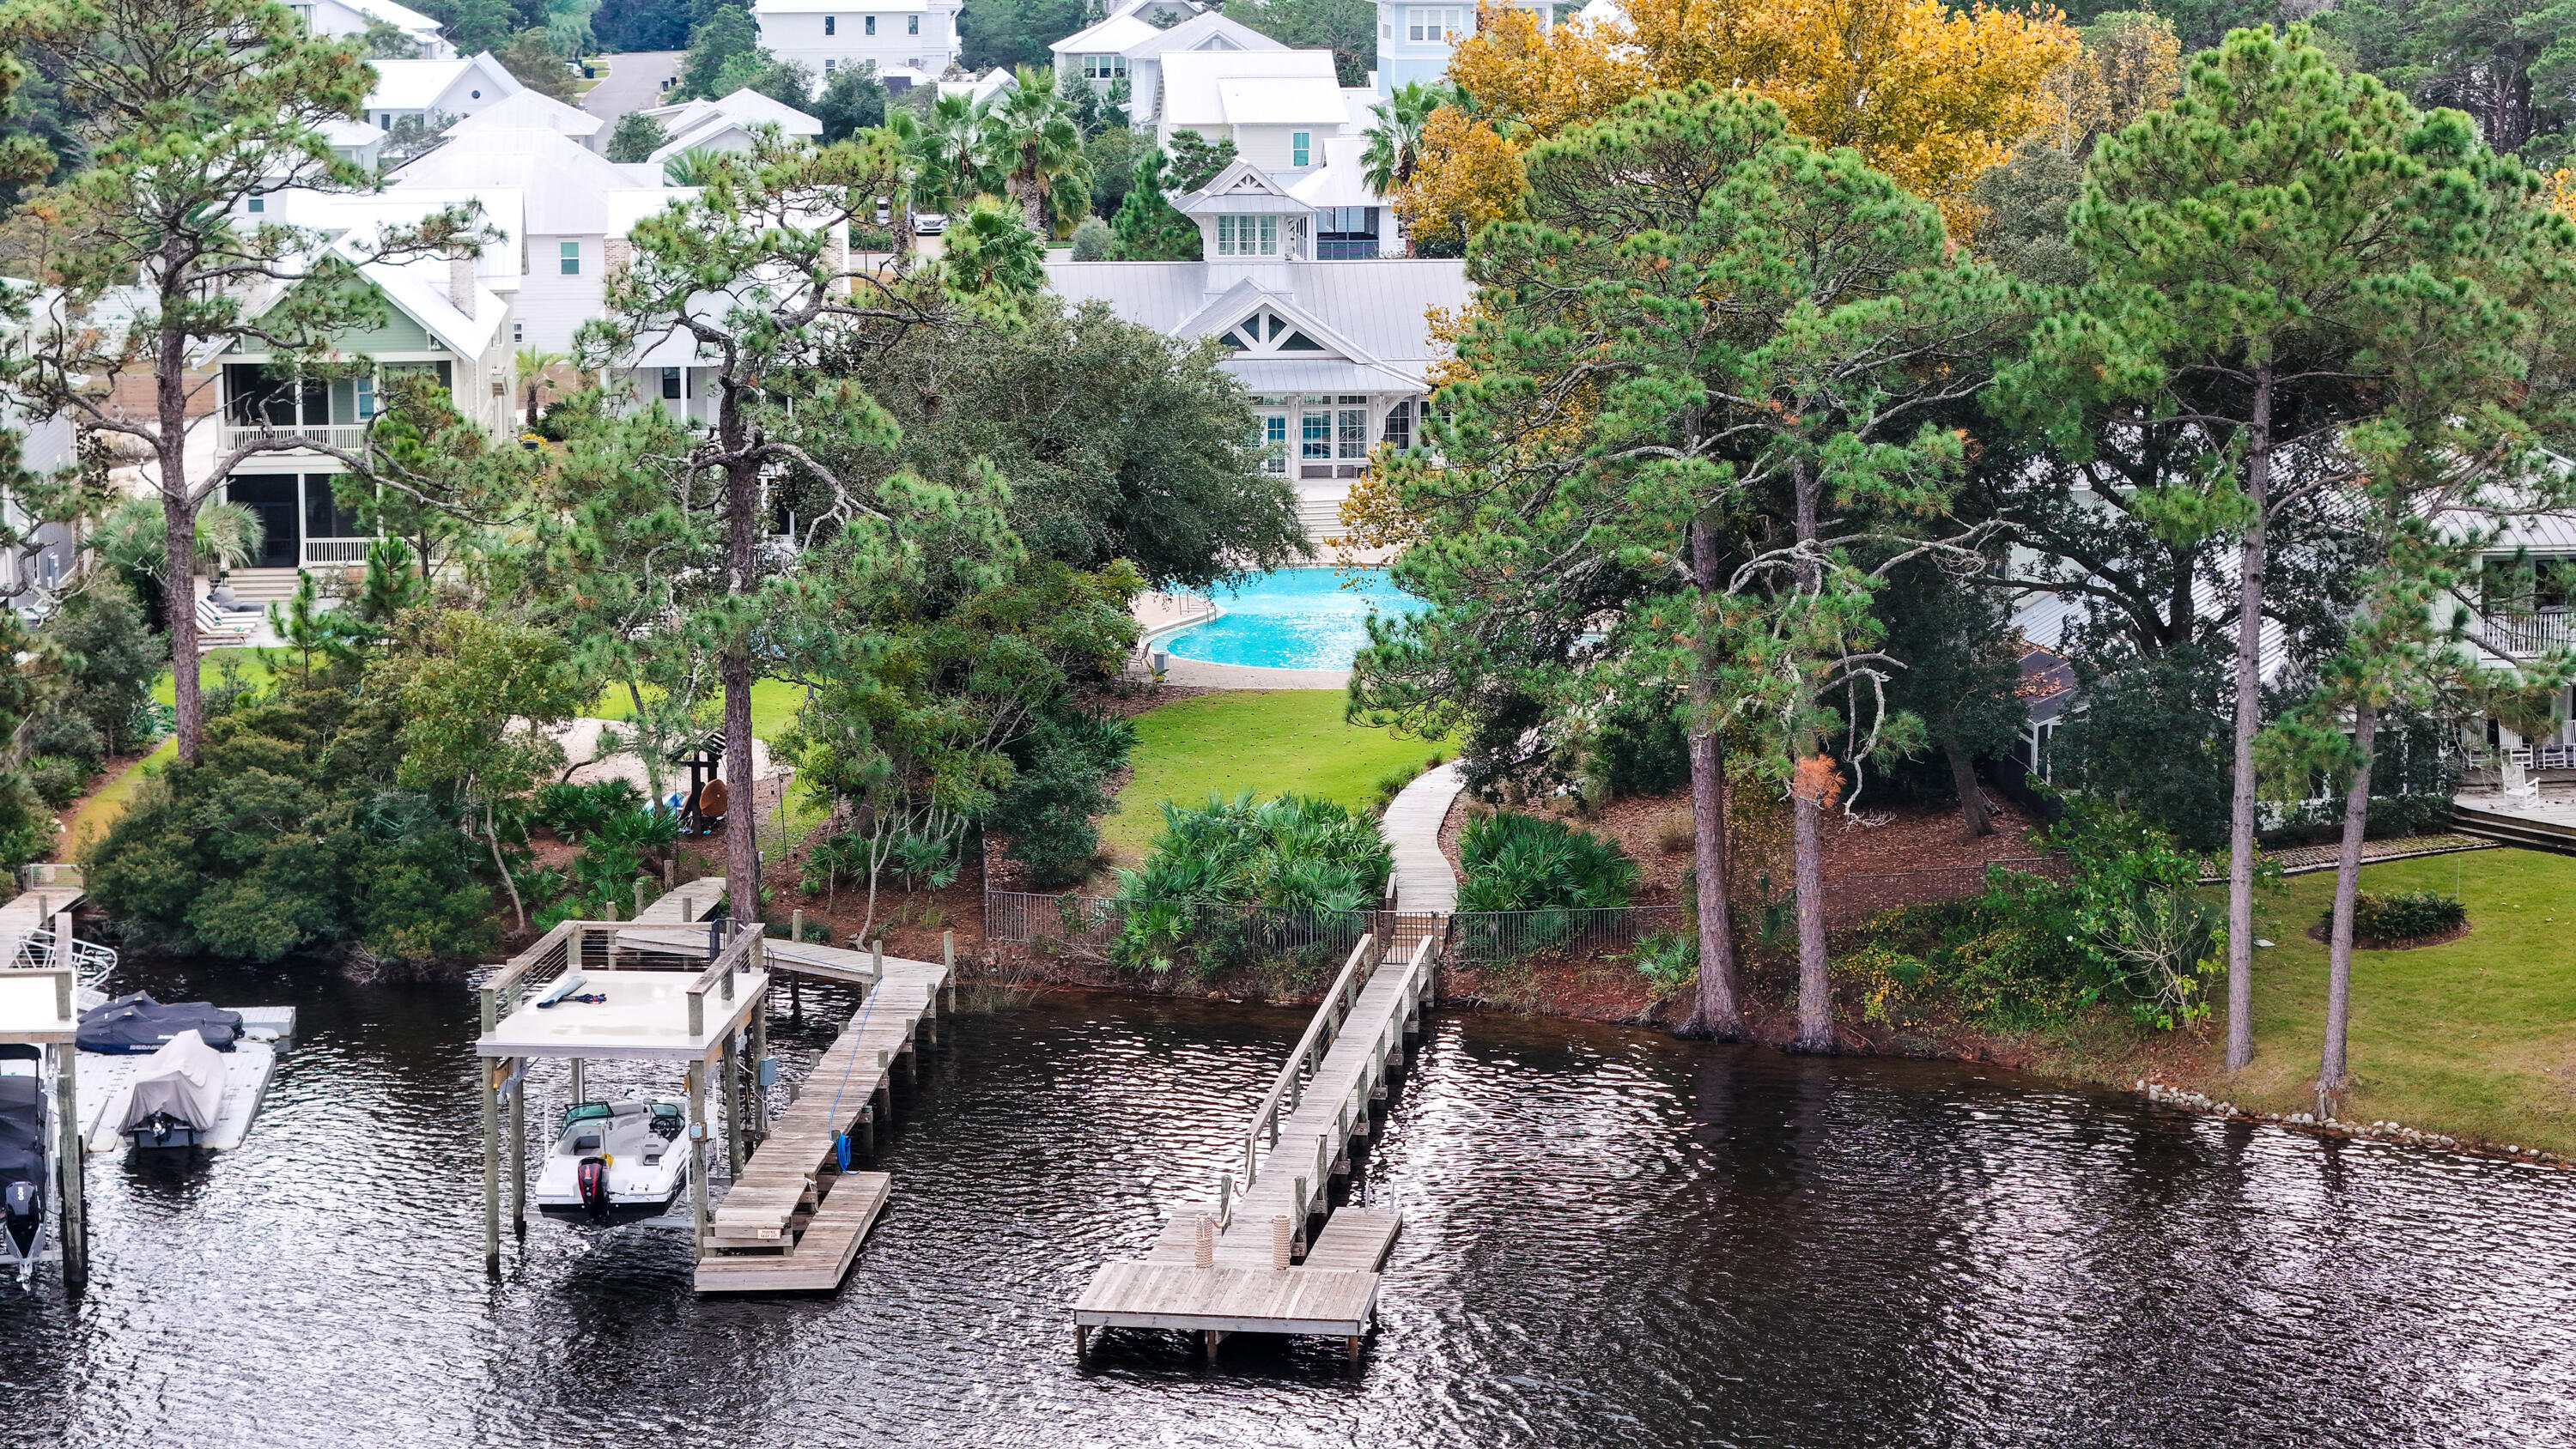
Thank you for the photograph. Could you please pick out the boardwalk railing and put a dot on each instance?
(1208, 934)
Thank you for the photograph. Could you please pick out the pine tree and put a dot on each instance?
(1149, 228)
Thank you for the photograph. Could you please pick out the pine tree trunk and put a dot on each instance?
(1972, 798)
(179, 601)
(2249, 719)
(1716, 1013)
(2332, 1074)
(1815, 984)
(733, 669)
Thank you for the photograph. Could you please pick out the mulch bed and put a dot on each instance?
(2319, 934)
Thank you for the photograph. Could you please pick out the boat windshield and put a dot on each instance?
(584, 1112)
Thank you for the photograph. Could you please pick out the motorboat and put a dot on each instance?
(616, 1161)
(177, 1099)
(26, 1155)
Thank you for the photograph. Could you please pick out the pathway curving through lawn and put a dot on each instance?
(1411, 825)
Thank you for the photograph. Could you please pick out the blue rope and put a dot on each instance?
(841, 1137)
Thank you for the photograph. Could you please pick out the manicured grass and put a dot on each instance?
(774, 703)
(1275, 742)
(2474, 1038)
(257, 666)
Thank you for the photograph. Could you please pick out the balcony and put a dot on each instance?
(1346, 249)
(347, 437)
(335, 552)
(2528, 636)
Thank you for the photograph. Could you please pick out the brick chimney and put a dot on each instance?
(460, 283)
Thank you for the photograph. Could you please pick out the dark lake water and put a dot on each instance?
(1611, 1238)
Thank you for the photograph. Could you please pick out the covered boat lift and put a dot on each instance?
(38, 1009)
(701, 1016)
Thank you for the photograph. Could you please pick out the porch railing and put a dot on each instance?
(349, 437)
(325, 551)
(2530, 635)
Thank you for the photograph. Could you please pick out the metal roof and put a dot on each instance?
(1379, 306)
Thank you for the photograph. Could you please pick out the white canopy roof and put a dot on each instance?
(533, 110)
(1194, 81)
(566, 184)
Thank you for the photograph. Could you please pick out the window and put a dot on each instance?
(1301, 145)
(1353, 433)
(1315, 435)
(869, 25)
(1441, 26)
(1247, 236)
(1385, 31)
(518, 331)
(571, 258)
(258, 204)
(477, 95)
(831, 25)
(1274, 442)
(1103, 67)
(1399, 426)
(912, 25)
(671, 383)
(831, 65)
(324, 515)
(365, 390)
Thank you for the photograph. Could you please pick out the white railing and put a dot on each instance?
(2529, 635)
(90, 961)
(2529, 757)
(335, 551)
(348, 437)
(1287, 1092)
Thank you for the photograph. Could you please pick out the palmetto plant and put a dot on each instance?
(693, 167)
(228, 536)
(1033, 138)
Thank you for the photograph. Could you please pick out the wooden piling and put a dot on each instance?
(70, 1161)
(519, 1145)
(698, 1157)
(491, 1146)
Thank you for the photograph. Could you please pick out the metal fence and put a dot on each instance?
(1207, 934)
(1488, 937)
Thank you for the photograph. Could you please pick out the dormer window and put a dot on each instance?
(1247, 236)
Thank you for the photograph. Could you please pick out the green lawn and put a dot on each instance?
(1274, 742)
(2473, 1038)
(257, 665)
(774, 703)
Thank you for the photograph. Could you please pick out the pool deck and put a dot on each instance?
(1203, 675)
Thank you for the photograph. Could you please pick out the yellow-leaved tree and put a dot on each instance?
(1930, 95)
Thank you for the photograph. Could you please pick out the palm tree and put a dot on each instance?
(693, 167)
(990, 254)
(129, 537)
(1395, 142)
(1033, 135)
(901, 145)
(533, 365)
(954, 160)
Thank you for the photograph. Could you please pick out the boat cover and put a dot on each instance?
(22, 1158)
(184, 1080)
(134, 1025)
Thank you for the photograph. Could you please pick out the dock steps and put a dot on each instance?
(826, 1245)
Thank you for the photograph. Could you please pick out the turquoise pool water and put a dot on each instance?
(1309, 618)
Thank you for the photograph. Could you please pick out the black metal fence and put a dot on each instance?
(1493, 937)
(1160, 934)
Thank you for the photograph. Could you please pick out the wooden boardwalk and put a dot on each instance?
(1244, 1263)
(793, 1219)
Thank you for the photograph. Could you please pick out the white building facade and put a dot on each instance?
(1414, 42)
(829, 36)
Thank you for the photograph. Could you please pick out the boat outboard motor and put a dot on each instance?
(26, 1217)
(592, 1178)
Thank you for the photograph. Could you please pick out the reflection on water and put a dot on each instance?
(1611, 1239)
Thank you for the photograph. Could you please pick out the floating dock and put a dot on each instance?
(1243, 1263)
(108, 1080)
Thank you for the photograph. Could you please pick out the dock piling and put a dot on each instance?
(519, 1144)
(70, 1160)
(698, 1157)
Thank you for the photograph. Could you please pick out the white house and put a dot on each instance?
(1277, 106)
(827, 36)
(338, 18)
(726, 125)
(1349, 222)
(1129, 46)
(1337, 354)
(453, 87)
(1414, 42)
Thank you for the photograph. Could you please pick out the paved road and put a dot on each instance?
(634, 82)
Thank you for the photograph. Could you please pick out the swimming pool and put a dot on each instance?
(1308, 618)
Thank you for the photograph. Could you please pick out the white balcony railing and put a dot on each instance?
(348, 437)
(2530, 635)
(319, 552)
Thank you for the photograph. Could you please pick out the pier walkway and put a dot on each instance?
(1244, 1263)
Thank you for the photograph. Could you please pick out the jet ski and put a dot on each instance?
(178, 1095)
(616, 1161)
(137, 1025)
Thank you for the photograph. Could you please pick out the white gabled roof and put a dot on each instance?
(566, 184)
(1110, 37)
(744, 107)
(420, 289)
(982, 88)
(363, 219)
(1192, 79)
(1376, 308)
(1281, 101)
(1137, 38)
(1239, 189)
(844, 7)
(416, 85)
(1343, 178)
(533, 110)
(400, 17)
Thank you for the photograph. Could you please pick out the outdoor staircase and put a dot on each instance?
(2528, 830)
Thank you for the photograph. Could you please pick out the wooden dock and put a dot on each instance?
(793, 1219)
(1243, 1263)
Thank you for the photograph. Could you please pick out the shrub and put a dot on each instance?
(58, 780)
(1392, 783)
(575, 811)
(1312, 859)
(1644, 752)
(1061, 769)
(64, 735)
(2407, 916)
(1517, 862)
(1093, 241)
(1669, 960)
(1676, 833)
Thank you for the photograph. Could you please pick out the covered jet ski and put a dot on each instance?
(177, 1095)
(137, 1025)
(26, 1164)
